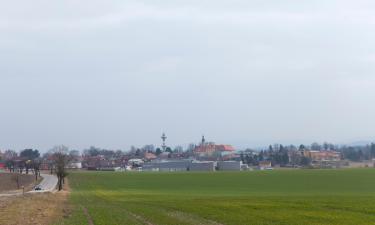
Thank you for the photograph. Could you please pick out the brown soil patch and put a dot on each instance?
(88, 216)
(34, 209)
(8, 182)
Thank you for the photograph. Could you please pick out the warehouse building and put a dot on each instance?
(178, 165)
(188, 165)
(229, 165)
(202, 166)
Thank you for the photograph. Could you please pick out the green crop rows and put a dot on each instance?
(260, 197)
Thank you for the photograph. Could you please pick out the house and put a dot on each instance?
(318, 156)
(149, 156)
(98, 162)
(135, 163)
(164, 155)
(264, 165)
(75, 165)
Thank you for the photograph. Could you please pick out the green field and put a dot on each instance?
(260, 197)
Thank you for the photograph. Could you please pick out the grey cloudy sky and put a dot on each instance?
(118, 73)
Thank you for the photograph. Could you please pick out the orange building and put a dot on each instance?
(322, 155)
(212, 150)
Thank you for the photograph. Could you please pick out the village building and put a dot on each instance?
(149, 156)
(212, 151)
(229, 165)
(202, 166)
(167, 166)
(99, 162)
(2, 161)
(318, 156)
(264, 165)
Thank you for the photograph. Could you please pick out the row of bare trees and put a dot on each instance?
(29, 164)
(28, 160)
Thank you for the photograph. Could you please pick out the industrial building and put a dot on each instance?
(188, 165)
(202, 166)
(178, 165)
(229, 165)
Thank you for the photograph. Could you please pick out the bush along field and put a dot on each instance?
(260, 197)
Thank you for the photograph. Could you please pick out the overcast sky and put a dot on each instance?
(119, 73)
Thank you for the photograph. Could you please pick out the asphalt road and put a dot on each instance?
(48, 183)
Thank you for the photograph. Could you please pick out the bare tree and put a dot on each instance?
(61, 159)
(36, 166)
(28, 165)
(16, 179)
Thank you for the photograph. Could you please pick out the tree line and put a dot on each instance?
(291, 155)
(30, 160)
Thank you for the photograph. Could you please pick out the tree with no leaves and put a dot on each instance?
(60, 159)
(16, 179)
(36, 166)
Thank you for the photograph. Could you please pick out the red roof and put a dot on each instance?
(149, 156)
(225, 148)
(214, 148)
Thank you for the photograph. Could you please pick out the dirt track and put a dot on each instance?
(34, 209)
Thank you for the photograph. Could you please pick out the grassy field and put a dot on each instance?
(260, 197)
(8, 182)
(33, 209)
